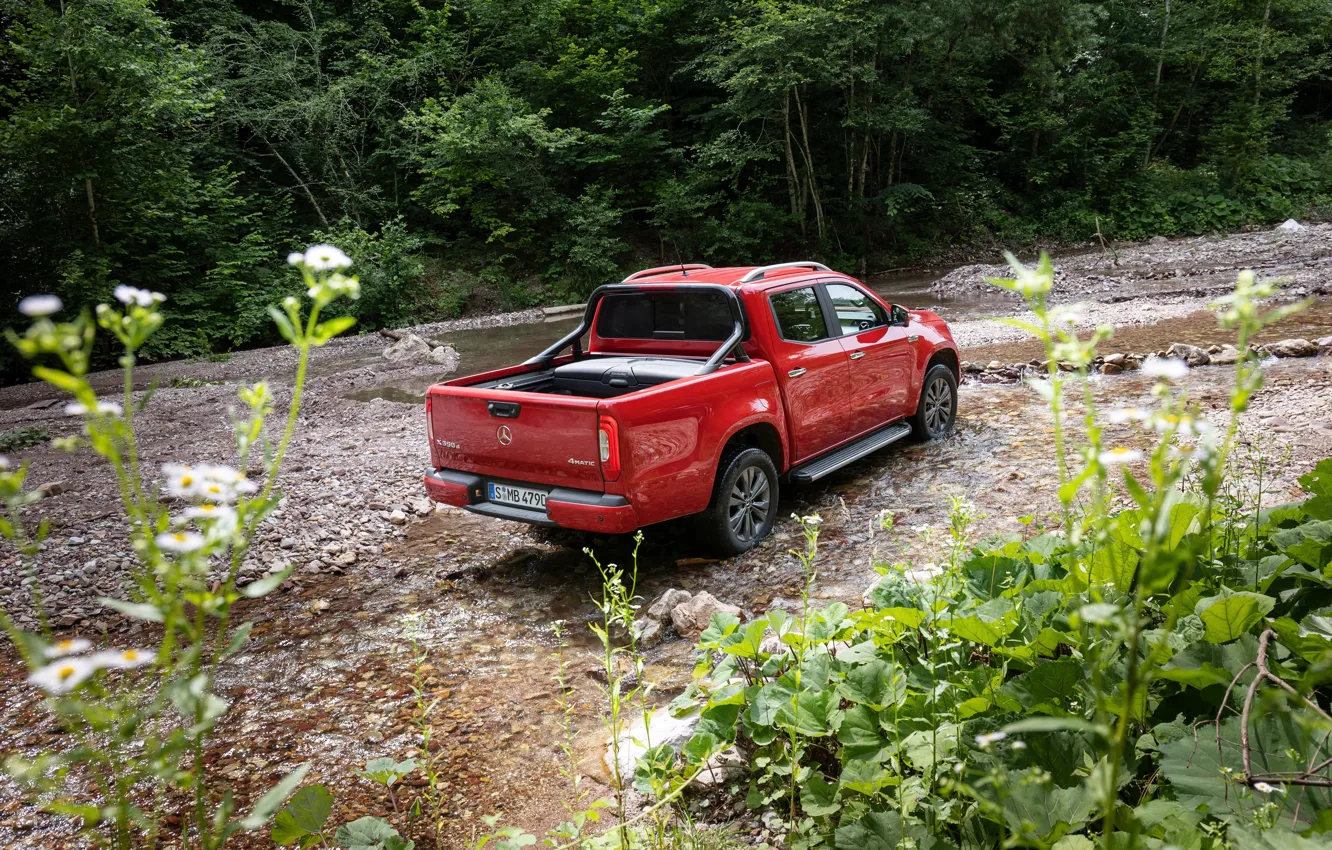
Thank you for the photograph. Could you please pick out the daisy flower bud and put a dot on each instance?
(37, 306)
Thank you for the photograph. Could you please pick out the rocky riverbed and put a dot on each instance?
(381, 573)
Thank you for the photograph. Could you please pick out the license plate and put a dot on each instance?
(523, 497)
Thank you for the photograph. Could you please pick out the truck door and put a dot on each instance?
(878, 353)
(812, 370)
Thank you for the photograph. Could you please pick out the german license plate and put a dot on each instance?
(523, 497)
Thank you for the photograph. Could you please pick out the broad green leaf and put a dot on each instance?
(878, 684)
(303, 817)
(1230, 614)
(271, 801)
(371, 833)
(1310, 543)
(818, 797)
(1047, 688)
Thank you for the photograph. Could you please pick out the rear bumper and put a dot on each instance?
(565, 508)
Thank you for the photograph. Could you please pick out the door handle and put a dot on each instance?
(856, 355)
(795, 373)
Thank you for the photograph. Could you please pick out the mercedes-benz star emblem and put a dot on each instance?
(504, 435)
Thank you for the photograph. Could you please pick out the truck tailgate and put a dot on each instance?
(524, 437)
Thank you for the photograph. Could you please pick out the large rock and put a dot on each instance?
(690, 618)
(1116, 359)
(1290, 225)
(662, 728)
(1190, 354)
(410, 348)
(1292, 348)
(1228, 355)
(660, 610)
(446, 356)
(1325, 345)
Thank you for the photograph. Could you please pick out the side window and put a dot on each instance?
(855, 310)
(799, 316)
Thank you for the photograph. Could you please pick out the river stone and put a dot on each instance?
(1325, 345)
(1290, 225)
(660, 610)
(1111, 368)
(411, 348)
(1158, 240)
(1116, 359)
(691, 618)
(647, 632)
(1190, 354)
(662, 729)
(1228, 355)
(446, 356)
(1292, 348)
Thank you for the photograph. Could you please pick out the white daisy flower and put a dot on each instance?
(69, 646)
(122, 659)
(295, 258)
(1120, 415)
(131, 295)
(1181, 424)
(4, 462)
(1018, 745)
(180, 542)
(989, 738)
(1264, 787)
(1119, 454)
(323, 258)
(63, 675)
(210, 512)
(181, 479)
(37, 306)
(105, 408)
(1170, 368)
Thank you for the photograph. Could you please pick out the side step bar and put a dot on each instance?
(827, 464)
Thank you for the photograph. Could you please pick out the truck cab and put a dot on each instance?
(691, 390)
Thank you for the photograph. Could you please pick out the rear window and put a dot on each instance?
(680, 314)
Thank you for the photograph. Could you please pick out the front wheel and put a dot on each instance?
(937, 409)
(744, 501)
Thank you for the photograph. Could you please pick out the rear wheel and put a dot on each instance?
(744, 501)
(937, 409)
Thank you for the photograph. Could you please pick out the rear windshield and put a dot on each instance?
(702, 315)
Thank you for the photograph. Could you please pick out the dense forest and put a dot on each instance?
(502, 153)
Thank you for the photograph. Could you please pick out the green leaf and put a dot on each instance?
(371, 833)
(1230, 614)
(59, 379)
(878, 685)
(1310, 543)
(324, 331)
(1048, 687)
(270, 802)
(267, 584)
(136, 610)
(874, 831)
(818, 797)
(303, 816)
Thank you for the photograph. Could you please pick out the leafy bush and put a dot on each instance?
(18, 439)
(389, 266)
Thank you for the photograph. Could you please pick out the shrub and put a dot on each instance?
(18, 439)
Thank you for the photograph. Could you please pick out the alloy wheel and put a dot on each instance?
(747, 508)
(938, 406)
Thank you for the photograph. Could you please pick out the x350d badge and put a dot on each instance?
(504, 435)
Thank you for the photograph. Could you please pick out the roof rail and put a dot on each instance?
(678, 267)
(755, 274)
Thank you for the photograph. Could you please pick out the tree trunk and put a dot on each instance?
(792, 175)
(1156, 89)
(309, 194)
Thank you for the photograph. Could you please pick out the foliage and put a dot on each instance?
(137, 720)
(24, 437)
(540, 147)
(1137, 676)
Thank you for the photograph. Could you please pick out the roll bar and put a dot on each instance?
(732, 344)
(755, 274)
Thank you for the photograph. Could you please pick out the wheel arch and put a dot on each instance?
(760, 435)
(948, 357)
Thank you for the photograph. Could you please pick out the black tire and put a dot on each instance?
(936, 409)
(744, 501)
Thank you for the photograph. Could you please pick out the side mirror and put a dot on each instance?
(900, 316)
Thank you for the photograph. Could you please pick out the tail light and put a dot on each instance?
(608, 439)
(430, 423)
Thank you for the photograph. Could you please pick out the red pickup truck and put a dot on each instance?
(699, 389)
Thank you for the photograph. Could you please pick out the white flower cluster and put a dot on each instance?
(68, 668)
(37, 306)
(320, 258)
(128, 295)
(207, 482)
(105, 408)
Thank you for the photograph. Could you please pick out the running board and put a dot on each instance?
(827, 464)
